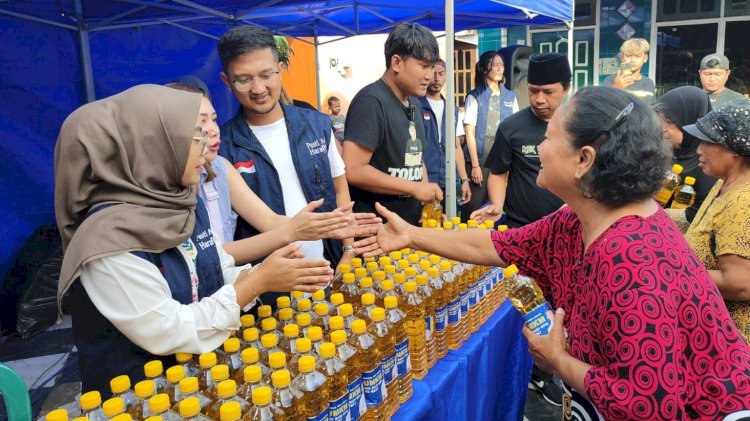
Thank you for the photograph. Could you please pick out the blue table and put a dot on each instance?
(486, 379)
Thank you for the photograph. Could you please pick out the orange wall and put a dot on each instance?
(299, 80)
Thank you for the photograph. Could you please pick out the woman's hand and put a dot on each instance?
(476, 175)
(394, 235)
(550, 349)
(341, 223)
(465, 193)
(487, 213)
(355, 221)
(286, 270)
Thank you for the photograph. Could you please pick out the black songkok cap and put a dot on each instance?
(547, 68)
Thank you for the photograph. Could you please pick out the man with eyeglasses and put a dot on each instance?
(633, 55)
(285, 154)
(714, 73)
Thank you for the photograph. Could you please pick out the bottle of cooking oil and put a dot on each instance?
(247, 320)
(282, 302)
(287, 343)
(189, 389)
(432, 210)
(231, 356)
(336, 300)
(381, 329)
(463, 277)
(304, 349)
(431, 223)
(349, 289)
(413, 259)
(411, 274)
(250, 356)
(188, 362)
(350, 356)
(386, 291)
(303, 321)
(315, 387)
(366, 287)
(276, 362)
(230, 412)
(384, 261)
(154, 370)
(440, 303)
(227, 392)
(397, 318)
(190, 410)
(370, 355)
(428, 303)
(368, 303)
(321, 315)
(315, 334)
(123, 417)
(415, 327)
(111, 407)
(264, 312)
(270, 345)
(219, 373)
(338, 279)
(286, 316)
(527, 298)
(669, 184)
(356, 262)
(253, 377)
(159, 406)
(285, 397)
(304, 306)
(377, 280)
(447, 225)
(335, 370)
(389, 270)
(268, 326)
(399, 278)
(318, 296)
(453, 332)
(347, 312)
(360, 273)
(295, 297)
(336, 323)
(370, 267)
(120, 387)
(402, 264)
(144, 390)
(205, 362)
(684, 197)
(174, 375)
(250, 338)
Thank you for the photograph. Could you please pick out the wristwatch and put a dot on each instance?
(348, 249)
(464, 180)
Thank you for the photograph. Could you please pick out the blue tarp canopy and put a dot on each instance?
(56, 55)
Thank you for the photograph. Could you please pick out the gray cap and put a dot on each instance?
(728, 126)
(715, 61)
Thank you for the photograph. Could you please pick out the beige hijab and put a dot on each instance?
(130, 149)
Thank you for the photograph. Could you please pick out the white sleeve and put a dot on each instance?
(515, 105)
(460, 129)
(132, 294)
(471, 109)
(334, 157)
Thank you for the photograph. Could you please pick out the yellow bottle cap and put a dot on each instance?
(445, 266)
(127, 417)
(207, 360)
(337, 299)
(421, 279)
(433, 272)
(434, 259)
(378, 276)
(264, 312)
(252, 373)
(247, 320)
(410, 272)
(304, 304)
(303, 344)
(283, 302)
(360, 273)
(410, 286)
(431, 223)
(306, 364)
(365, 282)
(390, 302)
(189, 407)
(175, 373)
(402, 264)
(677, 168)
(510, 271)
(336, 322)
(327, 349)
(338, 337)
(232, 345)
(447, 225)
(303, 320)
(377, 314)
(153, 368)
(384, 260)
(277, 360)
(291, 330)
(348, 278)
(119, 384)
(297, 294)
(463, 227)
(144, 388)
(413, 258)
(226, 389)
(230, 411)
(395, 255)
(399, 278)
(86, 419)
(689, 180)
(315, 333)
(188, 385)
(261, 396)
(268, 324)
(389, 269)
(456, 220)
(502, 228)
(368, 299)
(405, 250)
(387, 285)
(250, 334)
(319, 295)
(345, 268)
(424, 264)
(286, 314)
(359, 326)
(356, 262)
(219, 372)
(346, 310)
(58, 415)
(471, 223)
(269, 340)
(249, 356)
(183, 357)
(371, 266)
(321, 309)
(159, 403)
(280, 378)
(111, 407)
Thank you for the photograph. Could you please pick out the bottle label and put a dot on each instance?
(374, 386)
(323, 416)
(454, 312)
(481, 290)
(403, 360)
(338, 410)
(464, 303)
(441, 319)
(429, 327)
(357, 405)
(538, 321)
(390, 371)
(235, 361)
(473, 295)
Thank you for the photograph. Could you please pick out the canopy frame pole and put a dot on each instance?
(36, 19)
(571, 46)
(317, 69)
(83, 41)
(450, 106)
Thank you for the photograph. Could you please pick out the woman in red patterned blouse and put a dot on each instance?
(649, 336)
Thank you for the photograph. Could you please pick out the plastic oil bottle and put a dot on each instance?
(304, 306)
(304, 348)
(453, 332)
(282, 302)
(264, 312)
(186, 360)
(314, 385)
(205, 362)
(397, 318)
(189, 389)
(432, 210)
(347, 312)
(287, 344)
(371, 267)
(120, 387)
(227, 392)
(253, 380)
(415, 328)
(685, 195)
(296, 296)
(335, 370)
(463, 277)
(399, 279)
(303, 321)
(350, 356)
(440, 303)
(370, 356)
(250, 338)
(231, 356)
(276, 361)
(190, 410)
(315, 334)
(381, 329)
(286, 316)
(144, 390)
(154, 370)
(366, 287)
(284, 396)
(321, 315)
(338, 279)
(159, 405)
(113, 407)
(377, 280)
(230, 412)
(336, 300)
(424, 291)
(268, 326)
(247, 320)
(527, 298)
(368, 304)
(250, 356)
(669, 185)
(270, 346)
(336, 323)
(349, 289)
(219, 373)
(174, 375)
(387, 290)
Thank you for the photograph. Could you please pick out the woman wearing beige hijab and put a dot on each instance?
(152, 281)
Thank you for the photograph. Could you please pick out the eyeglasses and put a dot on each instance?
(244, 84)
(617, 122)
(498, 65)
(202, 140)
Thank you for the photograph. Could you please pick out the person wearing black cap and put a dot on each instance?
(720, 232)
(714, 73)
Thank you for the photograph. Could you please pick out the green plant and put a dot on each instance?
(285, 50)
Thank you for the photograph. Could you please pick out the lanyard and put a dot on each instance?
(190, 252)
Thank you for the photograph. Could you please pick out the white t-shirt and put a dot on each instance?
(275, 140)
(214, 212)
(438, 105)
(471, 109)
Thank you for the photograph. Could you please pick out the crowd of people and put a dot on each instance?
(173, 226)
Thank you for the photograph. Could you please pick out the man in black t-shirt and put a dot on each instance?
(384, 132)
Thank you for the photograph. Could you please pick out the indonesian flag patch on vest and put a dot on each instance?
(245, 167)
(426, 115)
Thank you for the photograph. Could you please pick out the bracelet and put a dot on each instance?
(348, 249)
(474, 166)
(464, 180)
(250, 272)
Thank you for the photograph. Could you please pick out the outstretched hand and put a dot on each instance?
(487, 213)
(286, 269)
(308, 225)
(383, 238)
(358, 220)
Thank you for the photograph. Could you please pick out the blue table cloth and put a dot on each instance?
(486, 379)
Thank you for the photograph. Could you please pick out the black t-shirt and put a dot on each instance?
(379, 121)
(516, 151)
